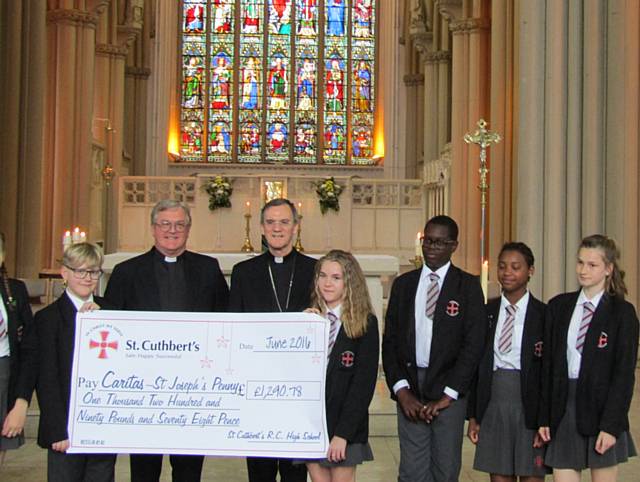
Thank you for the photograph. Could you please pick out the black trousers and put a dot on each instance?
(266, 470)
(147, 468)
(62, 467)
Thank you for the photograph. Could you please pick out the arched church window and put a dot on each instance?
(288, 81)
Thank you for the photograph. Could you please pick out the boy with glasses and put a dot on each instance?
(433, 339)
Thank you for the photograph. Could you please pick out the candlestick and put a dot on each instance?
(75, 237)
(66, 240)
(484, 279)
(247, 207)
(247, 247)
(298, 244)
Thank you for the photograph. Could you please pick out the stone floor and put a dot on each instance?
(28, 464)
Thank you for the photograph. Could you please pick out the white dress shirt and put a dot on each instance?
(574, 357)
(510, 360)
(5, 350)
(424, 325)
(77, 301)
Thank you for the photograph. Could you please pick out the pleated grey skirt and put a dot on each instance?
(570, 450)
(356, 454)
(505, 445)
(5, 442)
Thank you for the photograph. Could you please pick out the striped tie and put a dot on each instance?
(3, 328)
(506, 335)
(587, 315)
(433, 290)
(333, 328)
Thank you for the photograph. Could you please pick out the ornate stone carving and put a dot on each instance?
(419, 30)
(411, 80)
(438, 56)
(137, 72)
(438, 171)
(469, 25)
(112, 50)
(72, 17)
(449, 9)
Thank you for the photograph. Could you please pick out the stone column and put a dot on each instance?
(470, 102)
(116, 32)
(555, 148)
(622, 195)
(69, 108)
(163, 101)
(22, 74)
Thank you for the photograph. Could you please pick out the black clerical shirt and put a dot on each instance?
(172, 283)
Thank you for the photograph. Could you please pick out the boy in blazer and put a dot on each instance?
(434, 334)
(279, 280)
(56, 325)
(168, 278)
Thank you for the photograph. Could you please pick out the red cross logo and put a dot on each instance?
(603, 340)
(347, 358)
(103, 344)
(453, 308)
(537, 349)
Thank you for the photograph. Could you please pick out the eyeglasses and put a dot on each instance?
(437, 243)
(93, 274)
(281, 222)
(165, 226)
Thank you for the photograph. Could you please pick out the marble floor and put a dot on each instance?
(28, 464)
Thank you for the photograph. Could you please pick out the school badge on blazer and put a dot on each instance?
(453, 308)
(347, 358)
(537, 348)
(603, 340)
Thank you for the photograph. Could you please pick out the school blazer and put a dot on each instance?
(23, 363)
(133, 284)
(607, 371)
(351, 379)
(530, 363)
(251, 289)
(459, 330)
(56, 327)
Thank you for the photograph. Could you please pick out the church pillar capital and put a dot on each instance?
(412, 80)
(73, 17)
(469, 25)
(438, 56)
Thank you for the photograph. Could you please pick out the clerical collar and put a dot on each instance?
(282, 259)
(167, 259)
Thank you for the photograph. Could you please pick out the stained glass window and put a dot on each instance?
(284, 81)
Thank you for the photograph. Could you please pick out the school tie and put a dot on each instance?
(506, 335)
(333, 328)
(587, 315)
(433, 291)
(3, 328)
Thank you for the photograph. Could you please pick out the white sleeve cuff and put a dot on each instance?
(400, 384)
(448, 391)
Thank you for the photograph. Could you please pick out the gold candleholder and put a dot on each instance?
(298, 244)
(246, 247)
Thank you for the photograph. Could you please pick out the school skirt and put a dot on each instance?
(505, 445)
(356, 454)
(570, 450)
(5, 442)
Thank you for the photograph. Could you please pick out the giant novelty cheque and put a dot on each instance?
(199, 383)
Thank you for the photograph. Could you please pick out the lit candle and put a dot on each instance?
(419, 245)
(66, 240)
(75, 237)
(247, 207)
(83, 237)
(484, 279)
(300, 209)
